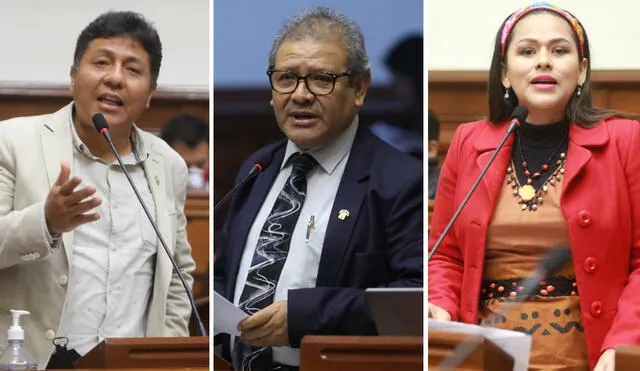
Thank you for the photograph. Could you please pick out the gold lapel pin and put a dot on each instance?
(343, 214)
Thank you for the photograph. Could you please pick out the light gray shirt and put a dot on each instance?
(301, 267)
(113, 258)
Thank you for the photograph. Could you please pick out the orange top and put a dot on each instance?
(517, 240)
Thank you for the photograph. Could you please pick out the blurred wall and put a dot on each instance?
(244, 31)
(38, 38)
(460, 33)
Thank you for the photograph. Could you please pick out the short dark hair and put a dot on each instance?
(187, 128)
(129, 24)
(579, 110)
(406, 58)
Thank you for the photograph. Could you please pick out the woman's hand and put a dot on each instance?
(438, 313)
(606, 361)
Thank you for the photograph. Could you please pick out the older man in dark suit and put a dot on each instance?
(336, 211)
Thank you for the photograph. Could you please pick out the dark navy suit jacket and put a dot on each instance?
(379, 245)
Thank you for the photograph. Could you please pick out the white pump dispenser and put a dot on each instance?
(15, 357)
(16, 332)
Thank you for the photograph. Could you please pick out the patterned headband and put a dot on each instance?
(517, 15)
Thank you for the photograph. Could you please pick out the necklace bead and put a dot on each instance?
(527, 195)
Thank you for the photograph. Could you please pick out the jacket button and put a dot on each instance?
(62, 279)
(590, 264)
(596, 309)
(584, 218)
(50, 334)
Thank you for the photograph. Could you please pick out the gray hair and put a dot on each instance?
(325, 24)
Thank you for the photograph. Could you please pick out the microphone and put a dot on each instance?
(552, 263)
(258, 166)
(557, 257)
(519, 115)
(102, 127)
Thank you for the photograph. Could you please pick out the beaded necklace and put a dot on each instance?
(527, 195)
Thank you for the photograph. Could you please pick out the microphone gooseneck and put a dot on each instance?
(519, 115)
(258, 166)
(102, 127)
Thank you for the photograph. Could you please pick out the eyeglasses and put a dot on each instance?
(319, 83)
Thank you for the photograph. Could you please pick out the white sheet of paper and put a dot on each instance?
(226, 316)
(516, 344)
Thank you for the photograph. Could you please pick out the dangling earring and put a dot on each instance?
(506, 94)
(579, 92)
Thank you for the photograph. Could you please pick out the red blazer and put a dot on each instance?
(600, 201)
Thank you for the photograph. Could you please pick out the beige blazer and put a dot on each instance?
(34, 276)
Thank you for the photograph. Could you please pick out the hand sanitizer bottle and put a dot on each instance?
(16, 357)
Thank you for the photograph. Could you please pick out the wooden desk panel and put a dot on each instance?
(35, 99)
(148, 353)
(461, 96)
(196, 210)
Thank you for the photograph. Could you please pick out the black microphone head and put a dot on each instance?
(99, 122)
(263, 161)
(520, 113)
(556, 259)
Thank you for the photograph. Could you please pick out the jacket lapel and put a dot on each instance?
(156, 178)
(350, 196)
(58, 147)
(255, 197)
(578, 152)
(485, 146)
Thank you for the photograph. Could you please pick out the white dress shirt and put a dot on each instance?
(113, 258)
(301, 267)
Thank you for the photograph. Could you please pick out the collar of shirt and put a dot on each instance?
(140, 150)
(330, 155)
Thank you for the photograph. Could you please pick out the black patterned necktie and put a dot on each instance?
(269, 258)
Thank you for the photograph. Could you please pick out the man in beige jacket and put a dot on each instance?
(76, 248)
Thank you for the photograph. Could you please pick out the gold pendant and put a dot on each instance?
(527, 192)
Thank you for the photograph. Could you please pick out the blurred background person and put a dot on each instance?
(188, 135)
(404, 61)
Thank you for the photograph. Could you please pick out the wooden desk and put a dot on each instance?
(196, 210)
(486, 355)
(614, 89)
(627, 357)
(148, 353)
(354, 353)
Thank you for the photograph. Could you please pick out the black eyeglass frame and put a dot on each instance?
(334, 76)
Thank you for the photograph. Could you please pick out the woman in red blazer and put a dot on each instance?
(570, 174)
